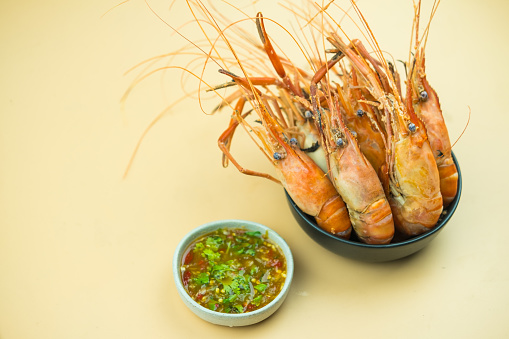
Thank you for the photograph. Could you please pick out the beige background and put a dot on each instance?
(86, 254)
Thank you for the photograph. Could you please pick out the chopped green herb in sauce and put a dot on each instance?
(233, 270)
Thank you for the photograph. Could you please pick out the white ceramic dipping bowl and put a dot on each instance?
(226, 319)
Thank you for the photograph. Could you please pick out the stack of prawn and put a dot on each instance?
(348, 146)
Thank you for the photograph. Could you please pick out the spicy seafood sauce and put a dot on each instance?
(233, 270)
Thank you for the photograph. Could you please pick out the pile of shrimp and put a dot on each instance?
(352, 144)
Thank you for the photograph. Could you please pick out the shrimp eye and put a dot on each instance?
(340, 142)
(354, 133)
(308, 114)
(423, 95)
(360, 112)
(278, 156)
(293, 142)
(411, 127)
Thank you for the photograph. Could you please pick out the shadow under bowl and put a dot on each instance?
(357, 250)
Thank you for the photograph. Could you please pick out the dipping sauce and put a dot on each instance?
(233, 270)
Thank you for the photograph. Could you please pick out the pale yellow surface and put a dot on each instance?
(86, 254)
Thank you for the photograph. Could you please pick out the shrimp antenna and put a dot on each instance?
(465, 128)
(112, 8)
(177, 32)
(432, 15)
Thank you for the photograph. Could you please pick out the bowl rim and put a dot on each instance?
(232, 223)
(450, 211)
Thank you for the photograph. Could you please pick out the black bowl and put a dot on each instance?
(374, 253)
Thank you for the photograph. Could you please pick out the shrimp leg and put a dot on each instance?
(225, 141)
